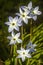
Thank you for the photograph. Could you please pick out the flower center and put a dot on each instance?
(13, 23)
(13, 38)
(33, 12)
(23, 53)
(23, 15)
(29, 47)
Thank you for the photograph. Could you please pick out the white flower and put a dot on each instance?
(23, 15)
(23, 53)
(30, 9)
(13, 23)
(33, 11)
(14, 38)
(31, 47)
(27, 8)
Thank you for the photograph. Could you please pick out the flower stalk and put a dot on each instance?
(30, 36)
(14, 54)
(21, 33)
(31, 30)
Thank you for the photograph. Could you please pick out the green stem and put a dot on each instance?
(11, 50)
(14, 54)
(39, 62)
(15, 61)
(28, 62)
(20, 62)
(30, 38)
(21, 34)
(31, 30)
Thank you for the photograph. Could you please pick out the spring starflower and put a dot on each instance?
(23, 54)
(33, 11)
(13, 23)
(29, 7)
(31, 47)
(14, 38)
(23, 15)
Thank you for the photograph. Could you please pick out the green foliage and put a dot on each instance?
(37, 38)
(7, 8)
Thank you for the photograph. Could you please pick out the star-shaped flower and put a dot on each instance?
(14, 38)
(13, 23)
(23, 15)
(23, 53)
(33, 11)
(29, 7)
(31, 47)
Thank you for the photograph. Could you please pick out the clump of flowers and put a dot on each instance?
(25, 13)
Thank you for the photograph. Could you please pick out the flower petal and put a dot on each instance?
(15, 18)
(27, 12)
(13, 34)
(16, 28)
(23, 58)
(19, 40)
(28, 56)
(21, 12)
(32, 50)
(34, 45)
(36, 8)
(29, 45)
(30, 5)
(19, 56)
(10, 29)
(24, 8)
(8, 23)
(18, 14)
(19, 23)
(19, 51)
(10, 19)
(22, 49)
(17, 35)
(25, 20)
(27, 50)
(35, 18)
(39, 12)
(12, 42)
(28, 17)
(9, 37)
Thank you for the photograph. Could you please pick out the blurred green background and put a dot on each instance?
(9, 8)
